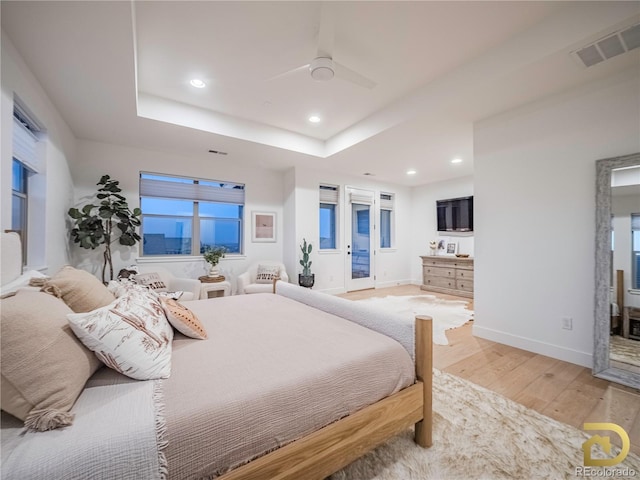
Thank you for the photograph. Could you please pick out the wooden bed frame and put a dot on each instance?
(333, 447)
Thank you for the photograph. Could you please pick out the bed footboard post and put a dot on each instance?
(424, 373)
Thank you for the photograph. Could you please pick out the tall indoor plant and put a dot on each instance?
(103, 223)
(306, 278)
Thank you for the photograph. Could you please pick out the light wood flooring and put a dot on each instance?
(560, 390)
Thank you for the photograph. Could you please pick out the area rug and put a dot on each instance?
(624, 350)
(478, 434)
(446, 314)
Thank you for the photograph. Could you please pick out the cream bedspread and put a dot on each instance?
(272, 371)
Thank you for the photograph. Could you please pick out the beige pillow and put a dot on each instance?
(151, 280)
(79, 289)
(267, 273)
(183, 319)
(44, 366)
(131, 335)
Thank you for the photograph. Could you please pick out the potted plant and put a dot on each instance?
(306, 278)
(212, 256)
(101, 224)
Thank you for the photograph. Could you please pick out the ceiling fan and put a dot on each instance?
(323, 67)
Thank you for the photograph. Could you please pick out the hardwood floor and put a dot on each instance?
(560, 390)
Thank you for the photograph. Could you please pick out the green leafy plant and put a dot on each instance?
(306, 264)
(213, 255)
(104, 223)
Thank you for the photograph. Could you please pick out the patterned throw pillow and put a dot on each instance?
(267, 273)
(151, 280)
(183, 319)
(131, 335)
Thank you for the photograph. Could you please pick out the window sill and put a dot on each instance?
(183, 258)
(329, 251)
(634, 291)
(388, 250)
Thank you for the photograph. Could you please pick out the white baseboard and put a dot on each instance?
(393, 283)
(547, 349)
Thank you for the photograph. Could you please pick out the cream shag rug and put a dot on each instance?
(446, 314)
(478, 434)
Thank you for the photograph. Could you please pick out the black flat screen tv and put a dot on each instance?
(455, 214)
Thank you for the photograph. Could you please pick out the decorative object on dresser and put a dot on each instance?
(450, 275)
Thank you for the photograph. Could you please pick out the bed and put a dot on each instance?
(293, 384)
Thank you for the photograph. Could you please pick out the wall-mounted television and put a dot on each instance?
(455, 214)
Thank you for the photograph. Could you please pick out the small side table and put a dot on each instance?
(213, 287)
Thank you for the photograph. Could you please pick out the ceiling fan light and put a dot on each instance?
(322, 74)
(321, 69)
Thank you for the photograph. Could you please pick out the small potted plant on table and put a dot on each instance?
(212, 256)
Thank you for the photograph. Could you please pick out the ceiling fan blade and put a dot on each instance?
(289, 72)
(326, 31)
(349, 75)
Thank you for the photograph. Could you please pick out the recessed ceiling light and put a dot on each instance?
(411, 172)
(456, 160)
(196, 82)
(314, 119)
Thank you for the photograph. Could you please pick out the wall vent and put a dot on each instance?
(609, 46)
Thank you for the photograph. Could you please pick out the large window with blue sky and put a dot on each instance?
(184, 216)
(635, 254)
(328, 217)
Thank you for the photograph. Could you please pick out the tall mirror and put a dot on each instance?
(617, 322)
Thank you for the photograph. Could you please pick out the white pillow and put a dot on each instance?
(130, 335)
(151, 280)
(267, 273)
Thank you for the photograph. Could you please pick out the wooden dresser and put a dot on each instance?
(450, 275)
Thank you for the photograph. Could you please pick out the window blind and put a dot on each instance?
(329, 194)
(24, 146)
(386, 201)
(229, 193)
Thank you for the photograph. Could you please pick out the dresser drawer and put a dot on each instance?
(464, 275)
(464, 285)
(439, 282)
(438, 272)
(436, 262)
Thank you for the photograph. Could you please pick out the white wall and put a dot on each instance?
(424, 223)
(263, 192)
(535, 214)
(622, 207)
(392, 266)
(54, 193)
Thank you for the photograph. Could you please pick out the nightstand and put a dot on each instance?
(213, 287)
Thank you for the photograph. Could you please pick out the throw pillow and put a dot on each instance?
(151, 280)
(183, 319)
(131, 335)
(267, 273)
(79, 289)
(44, 366)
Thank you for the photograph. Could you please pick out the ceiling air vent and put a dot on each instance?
(609, 47)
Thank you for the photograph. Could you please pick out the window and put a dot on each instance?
(19, 204)
(25, 165)
(386, 220)
(184, 216)
(635, 246)
(328, 217)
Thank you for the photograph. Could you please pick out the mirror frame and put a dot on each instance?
(602, 324)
